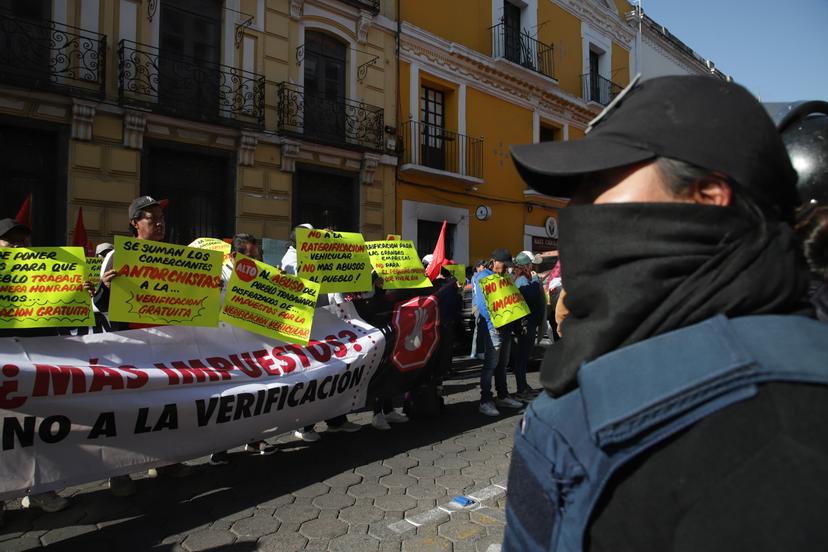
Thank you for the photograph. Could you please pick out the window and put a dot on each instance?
(511, 32)
(325, 63)
(326, 199)
(200, 189)
(188, 65)
(428, 232)
(550, 134)
(432, 115)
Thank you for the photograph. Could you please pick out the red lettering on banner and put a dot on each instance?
(105, 377)
(58, 378)
(266, 362)
(288, 364)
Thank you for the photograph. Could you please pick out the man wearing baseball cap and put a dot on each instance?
(14, 234)
(685, 409)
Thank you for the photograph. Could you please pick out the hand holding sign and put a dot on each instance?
(503, 299)
(262, 299)
(337, 261)
(397, 263)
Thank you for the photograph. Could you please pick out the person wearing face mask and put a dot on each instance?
(497, 342)
(685, 409)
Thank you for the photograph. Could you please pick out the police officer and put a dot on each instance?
(685, 409)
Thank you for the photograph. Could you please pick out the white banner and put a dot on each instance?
(78, 409)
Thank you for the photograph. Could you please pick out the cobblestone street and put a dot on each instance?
(364, 491)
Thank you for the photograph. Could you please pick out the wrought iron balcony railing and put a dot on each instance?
(47, 55)
(437, 148)
(370, 5)
(598, 89)
(335, 121)
(520, 48)
(189, 87)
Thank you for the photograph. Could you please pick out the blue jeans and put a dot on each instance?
(525, 344)
(496, 347)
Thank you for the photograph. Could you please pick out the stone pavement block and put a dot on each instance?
(324, 528)
(399, 503)
(402, 527)
(500, 482)
(390, 546)
(475, 456)
(276, 502)
(62, 533)
(256, 526)
(367, 490)
(488, 516)
(374, 469)
(402, 462)
(30, 543)
(426, 471)
(354, 543)
(361, 514)
(397, 480)
(480, 472)
(333, 501)
(293, 513)
(425, 490)
(345, 479)
(209, 538)
(317, 489)
(426, 455)
(427, 544)
(449, 447)
(281, 542)
(455, 483)
(461, 531)
(451, 462)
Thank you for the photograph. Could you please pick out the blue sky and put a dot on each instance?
(778, 50)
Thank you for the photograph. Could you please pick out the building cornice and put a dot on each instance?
(499, 78)
(602, 19)
(657, 43)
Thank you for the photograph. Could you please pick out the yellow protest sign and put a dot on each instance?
(266, 301)
(337, 261)
(163, 283)
(397, 263)
(93, 270)
(458, 271)
(43, 287)
(213, 244)
(503, 299)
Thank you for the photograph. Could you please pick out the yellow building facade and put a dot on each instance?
(477, 76)
(249, 115)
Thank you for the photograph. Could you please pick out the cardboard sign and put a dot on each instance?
(262, 299)
(43, 287)
(503, 299)
(458, 271)
(337, 261)
(213, 244)
(164, 283)
(396, 262)
(93, 270)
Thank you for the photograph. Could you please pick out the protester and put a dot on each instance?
(146, 222)
(103, 249)
(338, 423)
(477, 345)
(497, 342)
(15, 234)
(529, 286)
(554, 288)
(690, 386)
(247, 245)
(288, 263)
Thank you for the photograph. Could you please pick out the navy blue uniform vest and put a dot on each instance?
(630, 400)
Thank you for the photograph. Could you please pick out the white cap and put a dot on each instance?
(305, 225)
(427, 259)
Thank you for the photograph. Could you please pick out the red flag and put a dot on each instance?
(24, 215)
(438, 258)
(79, 237)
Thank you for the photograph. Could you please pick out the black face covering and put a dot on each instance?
(636, 270)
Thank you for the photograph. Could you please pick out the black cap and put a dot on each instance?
(502, 255)
(9, 224)
(142, 203)
(479, 262)
(701, 120)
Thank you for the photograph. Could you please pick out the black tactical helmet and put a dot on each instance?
(804, 128)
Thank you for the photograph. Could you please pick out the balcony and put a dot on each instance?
(335, 121)
(430, 149)
(46, 55)
(598, 89)
(519, 47)
(189, 88)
